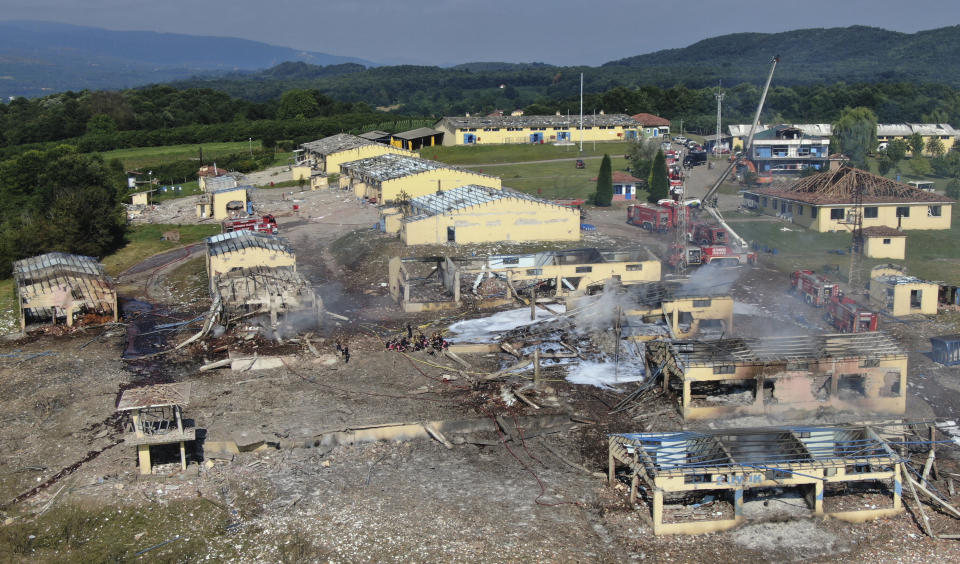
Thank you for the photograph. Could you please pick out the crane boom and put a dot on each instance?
(746, 147)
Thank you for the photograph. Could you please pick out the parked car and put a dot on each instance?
(680, 139)
(580, 164)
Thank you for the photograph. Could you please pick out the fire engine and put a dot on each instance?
(815, 289)
(261, 224)
(661, 218)
(847, 316)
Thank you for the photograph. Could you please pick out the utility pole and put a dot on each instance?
(250, 140)
(581, 112)
(719, 95)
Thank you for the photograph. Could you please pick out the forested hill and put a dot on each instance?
(43, 57)
(852, 54)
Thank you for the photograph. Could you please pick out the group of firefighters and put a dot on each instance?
(409, 342)
(417, 342)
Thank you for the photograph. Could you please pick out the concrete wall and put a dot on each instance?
(501, 135)
(885, 247)
(507, 219)
(699, 309)
(919, 217)
(628, 272)
(248, 258)
(221, 199)
(300, 172)
(895, 298)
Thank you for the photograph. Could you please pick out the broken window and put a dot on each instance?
(836, 213)
(634, 267)
(903, 211)
(851, 386)
(933, 211)
(701, 303)
(886, 241)
(798, 366)
(581, 269)
(916, 299)
(870, 212)
(769, 395)
(514, 260)
(821, 387)
(725, 369)
(534, 271)
(891, 385)
(813, 212)
(730, 392)
(870, 362)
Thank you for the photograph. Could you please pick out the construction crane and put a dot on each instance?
(709, 203)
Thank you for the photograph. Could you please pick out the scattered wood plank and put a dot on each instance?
(438, 436)
(525, 399)
(217, 364)
(456, 358)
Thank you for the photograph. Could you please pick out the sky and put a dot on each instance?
(562, 32)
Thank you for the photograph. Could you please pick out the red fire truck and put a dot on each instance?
(847, 316)
(660, 218)
(815, 289)
(261, 224)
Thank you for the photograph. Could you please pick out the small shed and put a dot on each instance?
(141, 198)
(376, 136)
(884, 242)
(156, 414)
(414, 139)
(946, 349)
(904, 295)
(59, 286)
(223, 203)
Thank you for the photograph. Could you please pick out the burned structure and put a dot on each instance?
(60, 287)
(420, 284)
(787, 376)
(237, 250)
(260, 290)
(684, 311)
(156, 419)
(723, 469)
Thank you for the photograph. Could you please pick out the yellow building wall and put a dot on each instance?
(331, 164)
(140, 198)
(506, 219)
(501, 136)
(392, 220)
(874, 247)
(424, 183)
(898, 304)
(221, 199)
(886, 215)
(947, 143)
(721, 307)
(300, 173)
(248, 258)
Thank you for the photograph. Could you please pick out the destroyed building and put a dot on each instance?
(274, 292)
(430, 283)
(156, 420)
(479, 214)
(327, 154)
(246, 249)
(701, 481)
(390, 177)
(787, 376)
(829, 201)
(62, 288)
(685, 310)
(899, 294)
(492, 130)
(223, 203)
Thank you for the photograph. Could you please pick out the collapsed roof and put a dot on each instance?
(840, 187)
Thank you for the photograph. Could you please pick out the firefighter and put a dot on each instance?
(409, 331)
(346, 354)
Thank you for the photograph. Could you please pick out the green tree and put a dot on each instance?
(916, 145)
(658, 182)
(297, 103)
(101, 124)
(953, 188)
(897, 150)
(920, 166)
(884, 164)
(935, 147)
(856, 134)
(604, 183)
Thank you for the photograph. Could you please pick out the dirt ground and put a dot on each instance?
(485, 500)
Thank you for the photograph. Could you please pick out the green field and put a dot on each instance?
(140, 157)
(931, 254)
(485, 154)
(553, 179)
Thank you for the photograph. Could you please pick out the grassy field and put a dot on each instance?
(144, 241)
(932, 255)
(150, 156)
(553, 180)
(484, 154)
